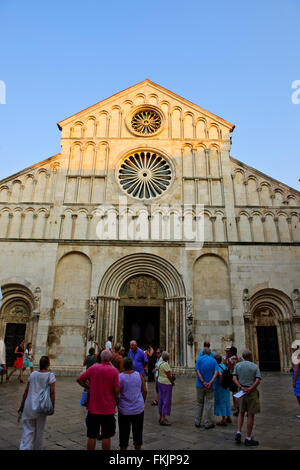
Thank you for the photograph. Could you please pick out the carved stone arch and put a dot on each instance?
(153, 99)
(138, 97)
(241, 171)
(175, 298)
(165, 103)
(20, 306)
(78, 126)
(274, 308)
(213, 126)
(291, 199)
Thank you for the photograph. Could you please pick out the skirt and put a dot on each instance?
(18, 362)
(164, 399)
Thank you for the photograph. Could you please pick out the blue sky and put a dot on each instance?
(237, 59)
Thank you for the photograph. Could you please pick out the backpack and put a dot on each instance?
(226, 380)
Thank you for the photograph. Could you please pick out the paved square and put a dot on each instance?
(276, 427)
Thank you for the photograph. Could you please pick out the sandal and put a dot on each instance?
(165, 423)
(222, 423)
(154, 403)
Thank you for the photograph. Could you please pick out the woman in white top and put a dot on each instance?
(28, 358)
(34, 422)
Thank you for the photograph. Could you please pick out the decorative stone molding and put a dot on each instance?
(296, 302)
(92, 319)
(189, 321)
(246, 303)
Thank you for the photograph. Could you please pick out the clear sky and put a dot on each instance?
(235, 58)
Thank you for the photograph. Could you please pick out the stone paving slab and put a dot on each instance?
(276, 427)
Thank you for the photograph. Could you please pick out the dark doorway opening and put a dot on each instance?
(14, 334)
(268, 350)
(141, 324)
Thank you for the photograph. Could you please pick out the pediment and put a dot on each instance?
(148, 92)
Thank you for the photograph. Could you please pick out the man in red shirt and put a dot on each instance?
(102, 382)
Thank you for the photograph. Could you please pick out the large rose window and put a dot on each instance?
(145, 175)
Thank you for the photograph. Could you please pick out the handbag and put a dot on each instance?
(84, 399)
(45, 406)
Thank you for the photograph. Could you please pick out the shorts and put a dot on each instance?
(107, 423)
(250, 403)
(137, 422)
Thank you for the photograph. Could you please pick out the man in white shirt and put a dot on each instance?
(108, 344)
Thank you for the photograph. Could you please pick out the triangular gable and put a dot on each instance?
(156, 87)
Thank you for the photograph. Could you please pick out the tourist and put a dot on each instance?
(34, 422)
(122, 352)
(108, 344)
(295, 345)
(155, 371)
(206, 344)
(92, 356)
(117, 359)
(131, 405)
(206, 370)
(139, 358)
(151, 362)
(28, 358)
(18, 364)
(102, 381)
(165, 383)
(247, 377)
(2, 356)
(232, 361)
(227, 355)
(90, 359)
(296, 375)
(222, 394)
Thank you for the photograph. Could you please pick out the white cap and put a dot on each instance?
(296, 344)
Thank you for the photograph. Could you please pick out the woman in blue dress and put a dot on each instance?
(222, 395)
(296, 375)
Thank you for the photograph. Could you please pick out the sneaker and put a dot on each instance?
(251, 442)
(238, 438)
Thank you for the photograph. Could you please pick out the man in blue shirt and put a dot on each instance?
(206, 370)
(206, 345)
(139, 358)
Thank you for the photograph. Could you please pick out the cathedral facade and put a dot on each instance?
(144, 227)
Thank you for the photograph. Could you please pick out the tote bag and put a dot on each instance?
(45, 406)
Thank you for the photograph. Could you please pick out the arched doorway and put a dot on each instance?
(142, 269)
(142, 312)
(268, 326)
(17, 321)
